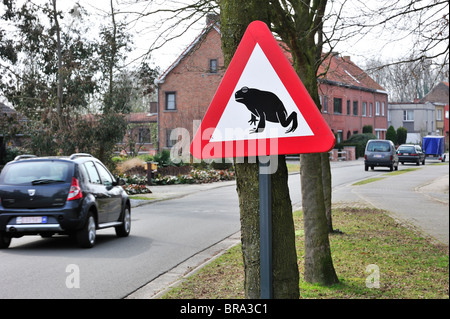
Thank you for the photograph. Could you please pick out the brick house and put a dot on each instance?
(187, 87)
(140, 137)
(350, 98)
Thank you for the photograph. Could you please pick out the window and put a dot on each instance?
(213, 66)
(144, 135)
(94, 178)
(370, 109)
(348, 107)
(382, 109)
(377, 108)
(104, 175)
(171, 101)
(439, 114)
(355, 107)
(339, 136)
(325, 104)
(169, 142)
(337, 105)
(408, 115)
(364, 109)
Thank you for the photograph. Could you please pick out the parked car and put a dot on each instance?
(380, 153)
(408, 153)
(75, 195)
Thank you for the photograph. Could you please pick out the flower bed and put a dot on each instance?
(136, 184)
(196, 176)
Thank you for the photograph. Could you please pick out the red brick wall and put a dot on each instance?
(194, 85)
(349, 124)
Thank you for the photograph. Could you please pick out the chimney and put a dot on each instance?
(346, 58)
(211, 18)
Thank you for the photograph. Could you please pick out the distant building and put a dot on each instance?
(439, 96)
(417, 117)
(427, 116)
(350, 98)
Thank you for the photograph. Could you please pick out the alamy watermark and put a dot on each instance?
(266, 143)
(73, 279)
(373, 280)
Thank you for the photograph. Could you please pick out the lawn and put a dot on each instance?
(374, 257)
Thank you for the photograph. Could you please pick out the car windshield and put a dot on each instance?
(36, 172)
(409, 149)
(378, 147)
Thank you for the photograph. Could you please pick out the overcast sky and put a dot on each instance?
(379, 43)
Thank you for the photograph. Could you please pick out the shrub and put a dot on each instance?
(360, 141)
(130, 165)
(401, 135)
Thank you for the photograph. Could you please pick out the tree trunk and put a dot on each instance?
(318, 263)
(235, 17)
(326, 180)
(59, 107)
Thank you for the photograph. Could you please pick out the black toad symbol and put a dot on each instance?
(267, 107)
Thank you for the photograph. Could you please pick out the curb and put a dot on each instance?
(159, 286)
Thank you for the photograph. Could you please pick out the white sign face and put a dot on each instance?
(269, 113)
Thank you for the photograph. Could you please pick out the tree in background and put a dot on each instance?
(391, 135)
(402, 134)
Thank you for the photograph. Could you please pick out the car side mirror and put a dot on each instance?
(119, 182)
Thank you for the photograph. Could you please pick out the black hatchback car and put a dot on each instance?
(75, 196)
(409, 153)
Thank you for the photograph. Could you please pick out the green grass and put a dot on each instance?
(367, 181)
(142, 197)
(410, 265)
(406, 170)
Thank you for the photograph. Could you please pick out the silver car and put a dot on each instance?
(380, 153)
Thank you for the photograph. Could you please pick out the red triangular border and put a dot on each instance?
(322, 140)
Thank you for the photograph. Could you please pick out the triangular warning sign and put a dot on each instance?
(261, 107)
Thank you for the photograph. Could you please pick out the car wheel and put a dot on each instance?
(5, 240)
(366, 167)
(86, 236)
(124, 229)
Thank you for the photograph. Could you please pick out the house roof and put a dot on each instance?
(6, 109)
(342, 71)
(212, 25)
(143, 117)
(334, 70)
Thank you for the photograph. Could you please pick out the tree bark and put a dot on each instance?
(235, 17)
(318, 262)
(298, 30)
(326, 179)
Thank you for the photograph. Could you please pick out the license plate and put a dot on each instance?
(405, 153)
(378, 156)
(32, 220)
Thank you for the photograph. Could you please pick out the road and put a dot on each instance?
(164, 234)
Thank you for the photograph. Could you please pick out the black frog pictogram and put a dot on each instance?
(267, 107)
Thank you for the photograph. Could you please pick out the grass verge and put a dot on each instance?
(409, 265)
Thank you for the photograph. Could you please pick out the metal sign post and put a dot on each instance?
(265, 229)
